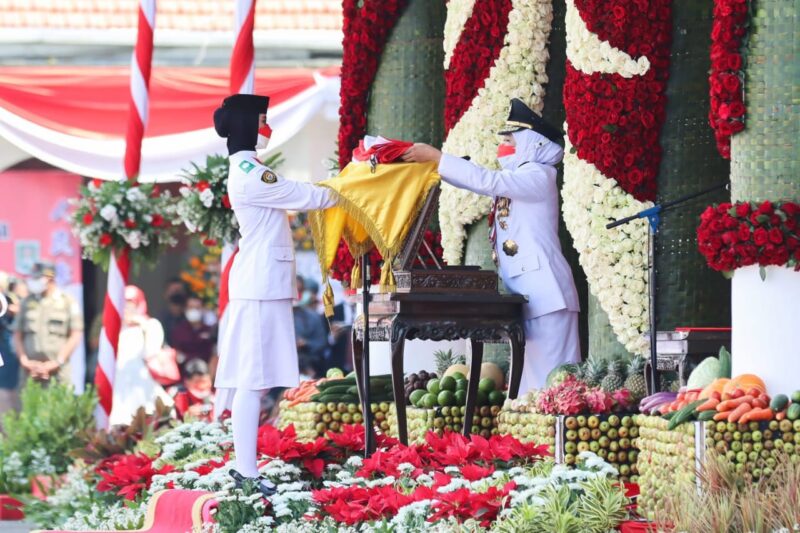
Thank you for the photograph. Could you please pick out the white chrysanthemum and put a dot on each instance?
(134, 239)
(109, 213)
(207, 197)
(135, 194)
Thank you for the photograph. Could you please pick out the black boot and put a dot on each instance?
(264, 486)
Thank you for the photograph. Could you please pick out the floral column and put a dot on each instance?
(765, 186)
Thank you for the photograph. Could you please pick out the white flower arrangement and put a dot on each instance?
(615, 260)
(519, 72)
(113, 215)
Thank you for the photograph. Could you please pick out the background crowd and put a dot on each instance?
(171, 357)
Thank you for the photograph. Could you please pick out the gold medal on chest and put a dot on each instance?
(510, 248)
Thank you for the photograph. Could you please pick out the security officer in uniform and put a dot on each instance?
(257, 348)
(524, 234)
(48, 328)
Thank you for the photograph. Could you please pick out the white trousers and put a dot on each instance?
(550, 340)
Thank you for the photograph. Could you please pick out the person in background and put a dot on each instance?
(9, 372)
(194, 396)
(310, 333)
(175, 294)
(193, 338)
(47, 328)
(141, 337)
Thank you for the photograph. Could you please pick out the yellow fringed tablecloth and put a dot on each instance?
(374, 209)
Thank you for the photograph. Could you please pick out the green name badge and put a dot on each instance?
(246, 166)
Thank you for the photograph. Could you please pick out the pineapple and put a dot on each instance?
(443, 361)
(635, 381)
(615, 378)
(595, 371)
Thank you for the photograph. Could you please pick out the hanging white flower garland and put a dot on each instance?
(615, 261)
(519, 72)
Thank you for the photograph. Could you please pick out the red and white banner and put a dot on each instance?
(75, 117)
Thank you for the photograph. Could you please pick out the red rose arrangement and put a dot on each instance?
(726, 115)
(473, 57)
(366, 30)
(731, 236)
(615, 122)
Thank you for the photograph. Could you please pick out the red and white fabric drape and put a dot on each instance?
(119, 263)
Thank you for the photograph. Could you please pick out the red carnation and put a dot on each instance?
(105, 239)
(130, 224)
(202, 185)
(775, 236)
(743, 209)
(760, 236)
(158, 220)
(97, 182)
(744, 232)
(87, 218)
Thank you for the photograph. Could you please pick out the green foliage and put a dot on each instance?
(52, 422)
(243, 508)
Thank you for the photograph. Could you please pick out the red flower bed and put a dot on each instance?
(128, 475)
(731, 236)
(726, 115)
(477, 49)
(615, 122)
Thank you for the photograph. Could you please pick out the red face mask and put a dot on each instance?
(505, 150)
(266, 131)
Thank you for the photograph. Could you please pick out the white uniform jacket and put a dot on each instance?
(264, 267)
(538, 270)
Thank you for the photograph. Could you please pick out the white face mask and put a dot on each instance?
(37, 285)
(210, 318)
(194, 315)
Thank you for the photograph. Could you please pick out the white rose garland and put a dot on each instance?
(458, 11)
(519, 72)
(615, 261)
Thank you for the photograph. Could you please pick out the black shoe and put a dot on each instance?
(264, 486)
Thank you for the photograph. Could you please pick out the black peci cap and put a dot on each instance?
(522, 117)
(236, 104)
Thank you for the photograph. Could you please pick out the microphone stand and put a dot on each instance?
(653, 215)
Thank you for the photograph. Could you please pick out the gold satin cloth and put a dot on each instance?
(374, 209)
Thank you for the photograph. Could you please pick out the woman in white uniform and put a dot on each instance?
(524, 234)
(257, 349)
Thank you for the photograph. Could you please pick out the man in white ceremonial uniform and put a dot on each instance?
(258, 349)
(524, 234)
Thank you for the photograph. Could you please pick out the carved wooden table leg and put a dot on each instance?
(358, 362)
(516, 337)
(472, 384)
(398, 345)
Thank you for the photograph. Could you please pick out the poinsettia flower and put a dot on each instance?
(472, 472)
(128, 474)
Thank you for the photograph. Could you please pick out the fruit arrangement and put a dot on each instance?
(574, 397)
(451, 389)
(485, 421)
(345, 390)
(417, 381)
(751, 437)
(665, 457)
(528, 427)
(314, 419)
(608, 436)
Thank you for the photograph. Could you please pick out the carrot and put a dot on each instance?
(692, 396)
(737, 413)
(757, 415)
(709, 404)
(722, 416)
(760, 403)
(730, 405)
(780, 415)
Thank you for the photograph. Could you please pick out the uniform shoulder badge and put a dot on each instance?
(269, 176)
(246, 166)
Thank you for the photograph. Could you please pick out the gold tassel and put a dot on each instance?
(327, 299)
(387, 276)
(355, 275)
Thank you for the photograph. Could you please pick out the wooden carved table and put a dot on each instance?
(480, 317)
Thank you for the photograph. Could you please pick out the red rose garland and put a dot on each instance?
(366, 30)
(731, 236)
(473, 57)
(615, 122)
(727, 100)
